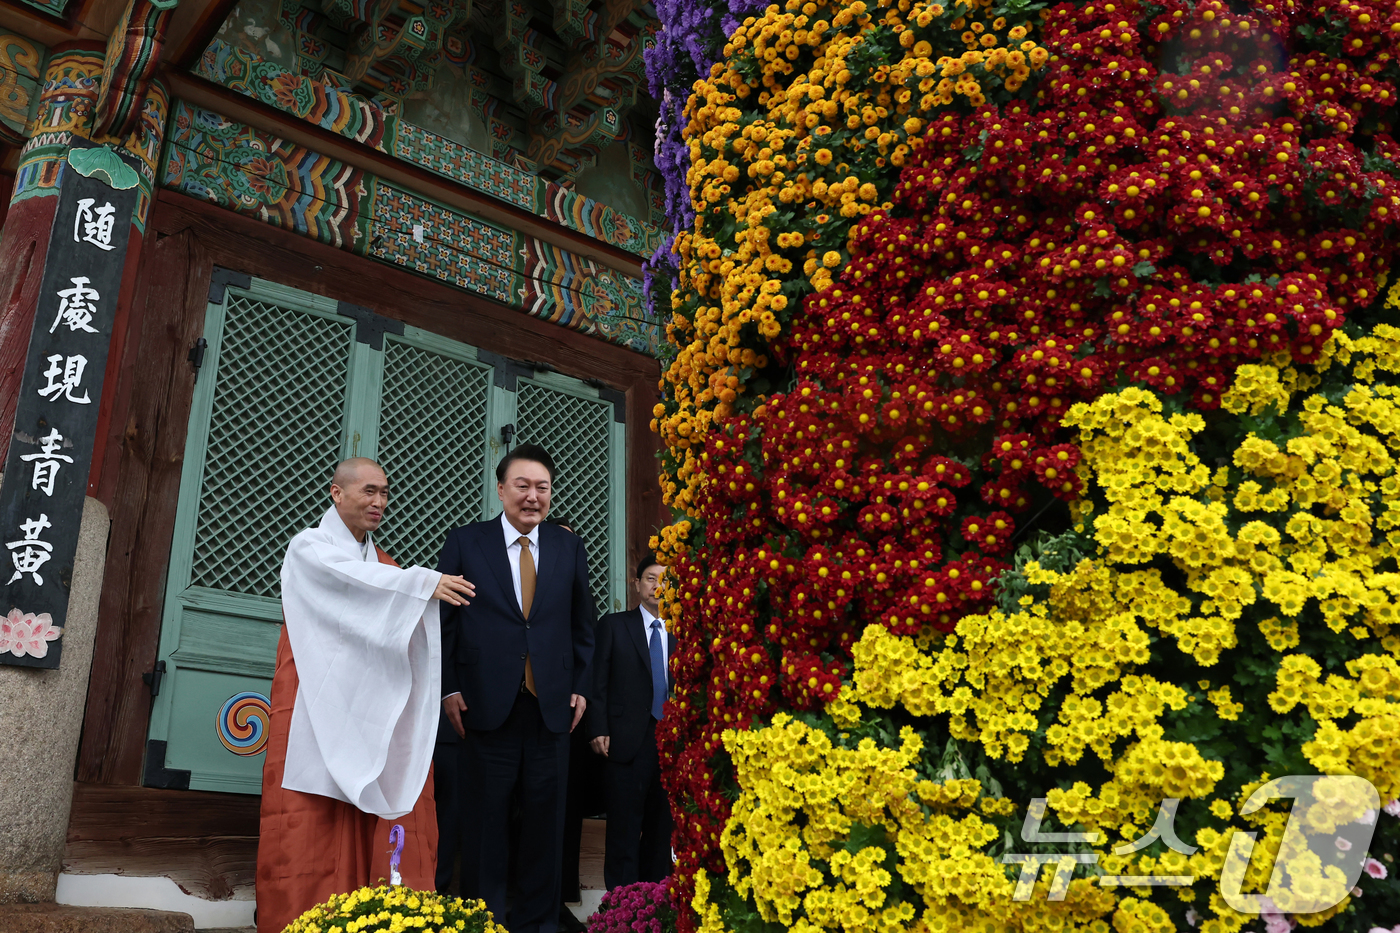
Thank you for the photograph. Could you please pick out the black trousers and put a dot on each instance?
(639, 819)
(585, 798)
(521, 755)
(447, 786)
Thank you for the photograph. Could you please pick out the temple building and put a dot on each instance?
(241, 240)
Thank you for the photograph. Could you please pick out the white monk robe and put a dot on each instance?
(368, 649)
(355, 707)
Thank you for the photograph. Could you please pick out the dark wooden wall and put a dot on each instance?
(145, 441)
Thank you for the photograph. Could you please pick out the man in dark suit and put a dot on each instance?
(630, 684)
(515, 670)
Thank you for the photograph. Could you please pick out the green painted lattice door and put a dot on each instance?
(582, 434)
(293, 382)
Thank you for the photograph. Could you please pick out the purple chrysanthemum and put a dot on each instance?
(690, 41)
(644, 907)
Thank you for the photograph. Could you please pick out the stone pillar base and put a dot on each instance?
(55, 918)
(26, 886)
(41, 716)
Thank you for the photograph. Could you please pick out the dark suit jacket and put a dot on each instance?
(484, 644)
(621, 704)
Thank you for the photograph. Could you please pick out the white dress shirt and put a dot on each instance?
(647, 619)
(513, 554)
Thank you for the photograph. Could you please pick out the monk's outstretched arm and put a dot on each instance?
(334, 563)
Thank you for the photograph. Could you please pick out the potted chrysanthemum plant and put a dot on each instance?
(393, 908)
(644, 907)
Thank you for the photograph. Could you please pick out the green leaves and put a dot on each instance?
(1197, 724)
(1060, 553)
(1283, 746)
(1015, 10)
(739, 914)
(865, 837)
(974, 152)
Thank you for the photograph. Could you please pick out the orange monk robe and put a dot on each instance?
(312, 847)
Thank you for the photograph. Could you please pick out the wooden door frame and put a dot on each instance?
(140, 472)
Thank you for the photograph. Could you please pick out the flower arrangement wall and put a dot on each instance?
(1030, 432)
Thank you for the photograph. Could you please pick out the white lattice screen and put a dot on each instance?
(432, 443)
(575, 431)
(274, 433)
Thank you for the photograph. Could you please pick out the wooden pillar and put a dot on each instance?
(7, 187)
(66, 170)
(22, 250)
(67, 102)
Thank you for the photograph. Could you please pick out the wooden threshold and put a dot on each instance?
(206, 843)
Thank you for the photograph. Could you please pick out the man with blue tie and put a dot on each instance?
(630, 683)
(515, 682)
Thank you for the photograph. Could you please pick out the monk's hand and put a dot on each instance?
(579, 704)
(454, 590)
(453, 707)
(600, 745)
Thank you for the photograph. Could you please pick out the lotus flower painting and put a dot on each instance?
(24, 633)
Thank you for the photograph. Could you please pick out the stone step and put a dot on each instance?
(60, 918)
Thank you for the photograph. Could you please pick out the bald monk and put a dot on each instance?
(355, 703)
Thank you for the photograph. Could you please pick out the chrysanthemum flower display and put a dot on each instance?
(641, 907)
(1195, 632)
(395, 909)
(1030, 432)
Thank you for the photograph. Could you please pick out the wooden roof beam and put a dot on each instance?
(192, 27)
(235, 106)
(84, 26)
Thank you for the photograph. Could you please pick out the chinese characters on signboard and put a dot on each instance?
(50, 453)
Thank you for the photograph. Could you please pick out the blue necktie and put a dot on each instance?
(658, 670)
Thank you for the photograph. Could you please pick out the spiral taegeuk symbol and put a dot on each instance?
(243, 723)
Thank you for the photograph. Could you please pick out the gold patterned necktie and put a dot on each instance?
(527, 596)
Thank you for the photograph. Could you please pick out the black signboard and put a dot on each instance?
(46, 470)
